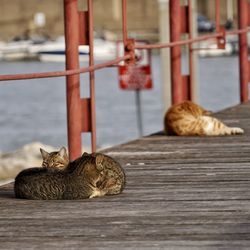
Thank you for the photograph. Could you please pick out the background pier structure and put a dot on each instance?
(181, 193)
(244, 21)
(74, 116)
(79, 30)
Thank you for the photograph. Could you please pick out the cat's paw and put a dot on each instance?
(237, 131)
(97, 193)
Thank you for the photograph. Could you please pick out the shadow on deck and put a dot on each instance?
(181, 193)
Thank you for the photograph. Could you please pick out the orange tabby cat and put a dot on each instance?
(188, 118)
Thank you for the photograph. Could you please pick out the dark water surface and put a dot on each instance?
(35, 110)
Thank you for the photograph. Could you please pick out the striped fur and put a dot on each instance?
(57, 159)
(87, 173)
(110, 179)
(188, 118)
(79, 180)
(113, 180)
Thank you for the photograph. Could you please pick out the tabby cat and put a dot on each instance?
(113, 179)
(112, 176)
(57, 159)
(188, 118)
(50, 183)
(88, 176)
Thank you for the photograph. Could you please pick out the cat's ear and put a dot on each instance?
(44, 153)
(98, 161)
(63, 152)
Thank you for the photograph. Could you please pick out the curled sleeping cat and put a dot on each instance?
(188, 118)
(113, 179)
(86, 177)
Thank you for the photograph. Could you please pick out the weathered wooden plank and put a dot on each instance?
(73, 243)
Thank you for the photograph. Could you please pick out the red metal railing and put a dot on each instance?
(175, 51)
(243, 20)
(73, 81)
(79, 30)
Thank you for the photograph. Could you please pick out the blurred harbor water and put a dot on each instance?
(35, 110)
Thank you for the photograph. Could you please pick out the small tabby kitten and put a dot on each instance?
(78, 182)
(188, 118)
(57, 159)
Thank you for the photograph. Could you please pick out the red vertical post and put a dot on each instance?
(217, 15)
(72, 81)
(127, 42)
(190, 48)
(124, 21)
(92, 75)
(243, 50)
(221, 40)
(175, 52)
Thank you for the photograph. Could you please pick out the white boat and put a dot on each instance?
(17, 50)
(54, 51)
(211, 50)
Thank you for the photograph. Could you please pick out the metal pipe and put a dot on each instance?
(177, 43)
(92, 76)
(72, 81)
(243, 50)
(64, 72)
(138, 111)
(175, 52)
(217, 15)
(190, 49)
(124, 21)
(187, 41)
(10, 77)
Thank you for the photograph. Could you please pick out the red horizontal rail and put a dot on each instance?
(188, 41)
(115, 61)
(62, 73)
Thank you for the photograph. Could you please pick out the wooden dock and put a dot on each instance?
(181, 193)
